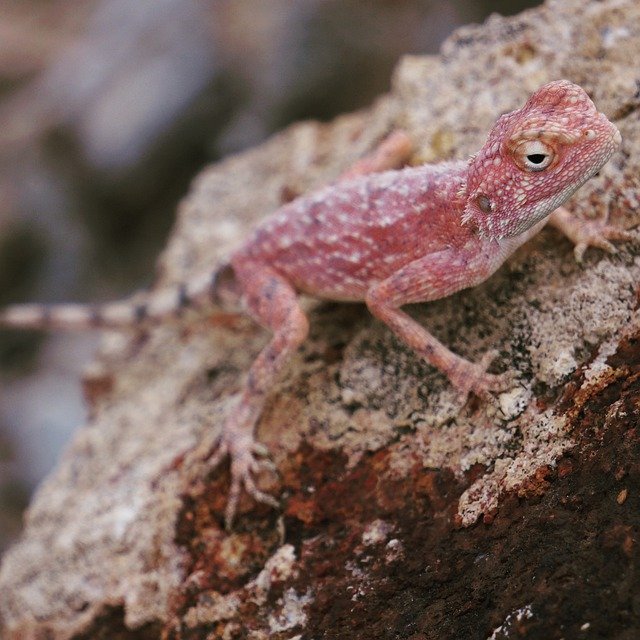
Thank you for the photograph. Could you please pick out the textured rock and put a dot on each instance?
(381, 471)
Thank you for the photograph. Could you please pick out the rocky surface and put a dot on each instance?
(404, 514)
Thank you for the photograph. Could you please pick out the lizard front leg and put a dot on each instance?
(587, 233)
(271, 301)
(429, 278)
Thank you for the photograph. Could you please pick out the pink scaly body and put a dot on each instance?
(389, 239)
(339, 241)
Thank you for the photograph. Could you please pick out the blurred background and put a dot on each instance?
(108, 108)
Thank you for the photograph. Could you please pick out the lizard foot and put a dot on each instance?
(248, 457)
(473, 378)
(597, 233)
(588, 233)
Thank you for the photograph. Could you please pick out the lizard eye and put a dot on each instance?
(534, 155)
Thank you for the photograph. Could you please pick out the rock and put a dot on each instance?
(403, 514)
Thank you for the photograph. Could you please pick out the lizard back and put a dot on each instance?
(337, 241)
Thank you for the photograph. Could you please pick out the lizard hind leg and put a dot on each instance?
(272, 302)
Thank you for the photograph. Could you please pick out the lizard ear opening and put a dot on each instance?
(484, 203)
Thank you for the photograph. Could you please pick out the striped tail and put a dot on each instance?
(144, 309)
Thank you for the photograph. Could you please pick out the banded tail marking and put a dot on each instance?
(173, 301)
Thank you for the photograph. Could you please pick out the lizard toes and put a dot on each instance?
(487, 359)
(244, 465)
(486, 383)
(598, 242)
(474, 378)
(616, 233)
(257, 495)
(598, 236)
(232, 502)
(259, 449)
(263, 465)
(216, 454)
(601, 242)
(502, 381)
(578, 251)
(490, 382)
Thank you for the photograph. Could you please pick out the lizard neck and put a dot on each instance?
(511, 243)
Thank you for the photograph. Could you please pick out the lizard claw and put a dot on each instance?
(263, 465)
(259, 449)
(217, 454)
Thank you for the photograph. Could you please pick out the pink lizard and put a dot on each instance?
(390, 238)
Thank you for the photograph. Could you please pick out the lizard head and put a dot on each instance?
(535, 158)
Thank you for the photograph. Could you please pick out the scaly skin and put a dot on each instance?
(390, 238)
